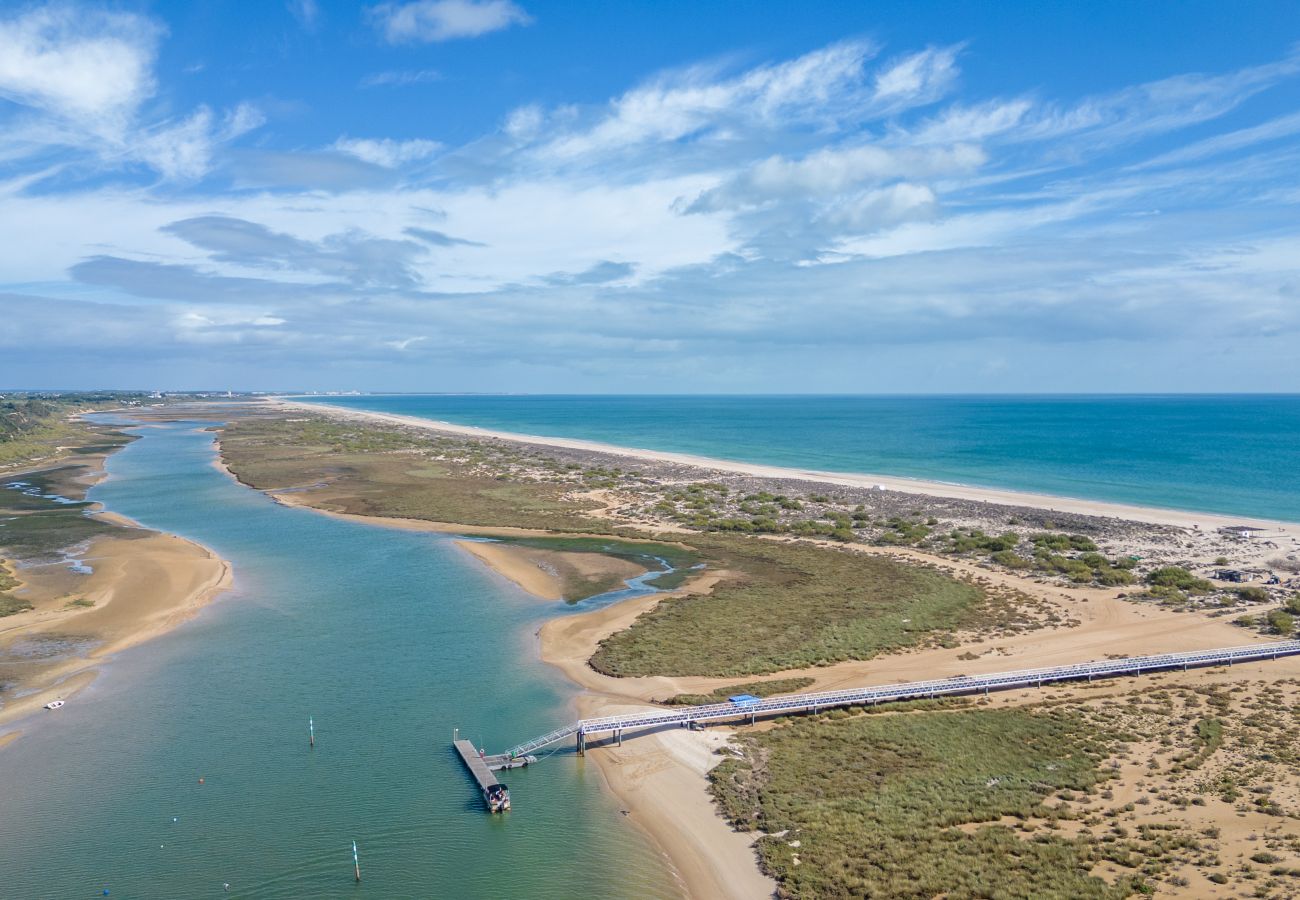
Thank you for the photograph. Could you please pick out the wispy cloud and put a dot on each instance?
(427, 21)
(307, 12)
(400, 78)
(819, 88)
(387, 152)
(81, 76)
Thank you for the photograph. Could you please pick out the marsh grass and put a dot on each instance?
(792, 606)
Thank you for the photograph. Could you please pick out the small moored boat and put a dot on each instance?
(54, 704)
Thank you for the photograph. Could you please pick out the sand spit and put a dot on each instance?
(518, 567)
(141, 587)
(1149, 515)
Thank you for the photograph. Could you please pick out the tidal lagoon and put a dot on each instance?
(185, 767)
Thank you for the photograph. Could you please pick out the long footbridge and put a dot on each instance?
(752, 709)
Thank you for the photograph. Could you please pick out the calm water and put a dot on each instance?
(1230, 454)
(388, 639)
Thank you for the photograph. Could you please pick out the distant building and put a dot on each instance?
(1241, 531)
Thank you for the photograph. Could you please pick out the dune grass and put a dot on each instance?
(870, 806)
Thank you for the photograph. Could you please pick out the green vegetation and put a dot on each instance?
(794, 605)
(756, 688)
(1178, 578)
(1282, 623)
(9, 604)
(1062, 542)
(1086, 568)
(377, 471)
(36, 526)
(873, 806)
(1083, 565)
(1209, 734)
(34, 425)
(972, 539)
(901, 531)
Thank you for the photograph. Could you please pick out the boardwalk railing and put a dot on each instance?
(911, 690)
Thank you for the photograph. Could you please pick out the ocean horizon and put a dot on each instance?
(1230, 454)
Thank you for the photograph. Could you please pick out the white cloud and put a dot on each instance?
(83, 65)
(386, 152)
(973, 123)
(425, 21)
(82, 74)
(836, 170)
(524, 122)
(184, 150)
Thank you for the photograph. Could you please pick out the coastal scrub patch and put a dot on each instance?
(36, 426)
(794, 605)
(11, 605)
(384, 471)
(896, 806)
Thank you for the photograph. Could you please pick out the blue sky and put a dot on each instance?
(532, 196)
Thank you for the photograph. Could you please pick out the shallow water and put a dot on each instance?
(388, 639)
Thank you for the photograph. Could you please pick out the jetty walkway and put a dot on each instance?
(689, 716)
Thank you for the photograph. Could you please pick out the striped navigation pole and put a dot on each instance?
(311, 732)
(356, 863)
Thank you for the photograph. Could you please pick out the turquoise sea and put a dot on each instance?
(388, 639)
(1233, 454)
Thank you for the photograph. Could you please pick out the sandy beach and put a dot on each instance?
(1151, 515)
(140, 588)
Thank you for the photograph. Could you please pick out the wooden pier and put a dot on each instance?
(496, 796)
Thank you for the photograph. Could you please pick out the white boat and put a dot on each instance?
(54, 704)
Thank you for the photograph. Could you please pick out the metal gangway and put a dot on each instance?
(910, 690)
